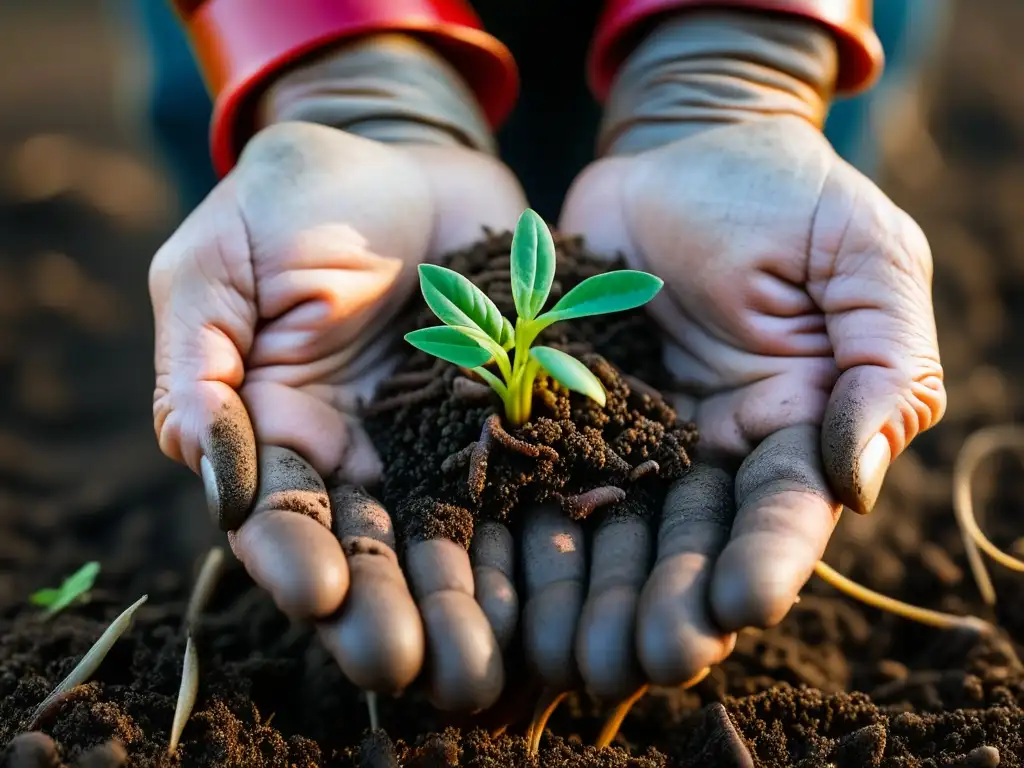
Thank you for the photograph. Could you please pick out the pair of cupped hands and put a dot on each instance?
(797, 324)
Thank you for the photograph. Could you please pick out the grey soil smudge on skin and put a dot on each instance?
(493, 547)
(289, 483)
(840, 452)
(787, 460)
(358, 514)
(704, 496)
(31, 749)
(109, 755)
(230, 447)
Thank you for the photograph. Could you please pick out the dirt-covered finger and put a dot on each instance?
(465, 669)
(620, 557)
(492, 554)
(204, 310)
(228, 465)
(377, 637)
(786, 514)
(884, 340)
(31, 749)
(676, 637)
(554, 567)
(112, 754)
(287, 545)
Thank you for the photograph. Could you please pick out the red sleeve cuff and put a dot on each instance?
(241, 44)
(623, 22)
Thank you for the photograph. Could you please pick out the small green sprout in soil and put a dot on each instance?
(74, 588)
(475, 334)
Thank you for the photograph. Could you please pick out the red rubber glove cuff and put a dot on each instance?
(241, 44)
(623, 22)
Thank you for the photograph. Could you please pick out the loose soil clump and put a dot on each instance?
(452, 461)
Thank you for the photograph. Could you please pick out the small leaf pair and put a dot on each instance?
(475, 334)
(73, 588)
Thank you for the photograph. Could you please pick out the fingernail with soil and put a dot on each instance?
(31, 749)
(869, 472)
(210, 485)
(228, 466)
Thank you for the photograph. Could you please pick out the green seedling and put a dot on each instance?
(475, 334)
(75, 587)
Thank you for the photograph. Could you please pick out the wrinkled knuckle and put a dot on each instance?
(782, 462)
(915, 242)
(285, 147)
(923, 406)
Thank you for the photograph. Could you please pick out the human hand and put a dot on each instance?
(799, 329)
(273, 306)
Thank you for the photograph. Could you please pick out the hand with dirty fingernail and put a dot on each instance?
(34, 749)
(796, 313)
(275, 304)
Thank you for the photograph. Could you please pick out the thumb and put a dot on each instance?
(202, 291)
(871, 273)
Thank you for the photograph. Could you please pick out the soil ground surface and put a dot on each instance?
(81, 212)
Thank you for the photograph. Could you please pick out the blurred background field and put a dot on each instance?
(84, 205)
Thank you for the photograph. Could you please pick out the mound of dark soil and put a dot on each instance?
(451, 461)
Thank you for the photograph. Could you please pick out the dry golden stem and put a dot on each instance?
(907, 611)
(979, 446)
(614, 720)
(546, 706)
(93, 658)
(189, 688)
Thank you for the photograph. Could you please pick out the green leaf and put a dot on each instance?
(44, 597)
(456, 301)
(72, 589)
(450, 345)
(533, 264)
(606, 293)
(569, 372)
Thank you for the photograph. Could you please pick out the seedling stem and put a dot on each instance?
(475, 334)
